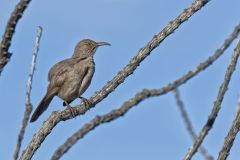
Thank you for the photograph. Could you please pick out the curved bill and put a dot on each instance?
(103, 44)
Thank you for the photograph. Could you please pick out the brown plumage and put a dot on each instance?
(69, 79)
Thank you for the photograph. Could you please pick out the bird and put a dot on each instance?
(69, 78)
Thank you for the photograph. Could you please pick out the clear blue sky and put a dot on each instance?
(152, 130)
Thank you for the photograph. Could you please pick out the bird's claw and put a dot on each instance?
(86, 101)
(71, 109)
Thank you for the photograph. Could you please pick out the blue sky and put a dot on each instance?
(152, 130)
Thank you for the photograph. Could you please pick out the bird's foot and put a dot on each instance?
(86, 101)
(71, 109)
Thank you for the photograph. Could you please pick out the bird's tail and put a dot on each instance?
(42, 107)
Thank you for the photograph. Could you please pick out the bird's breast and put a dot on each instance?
(70, 89)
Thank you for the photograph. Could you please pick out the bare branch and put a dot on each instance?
(29, 107)
(9, 31)
(217, 104)
(141, 96)
(223, 154)
(33, 64)
(229, 139)
(58, 116)
(188, 124)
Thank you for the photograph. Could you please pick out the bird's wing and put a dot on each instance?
(62, 67)
(59, 68)
(58, 73)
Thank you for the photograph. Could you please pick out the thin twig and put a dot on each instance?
(9, 31)
(58, 116)
(188, 124)
(141, 96)
(238, 105)
(229, 139)
(217, 104)
(29, 107)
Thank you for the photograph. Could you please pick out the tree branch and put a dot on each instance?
(141, 96)
(217, 104)
(188, 124)
(229, 139)
(29, 107)
(58, 116)
(9, 31)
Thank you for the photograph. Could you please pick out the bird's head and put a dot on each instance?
(86, 48)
